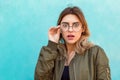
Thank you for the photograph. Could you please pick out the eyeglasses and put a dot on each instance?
(75, 27)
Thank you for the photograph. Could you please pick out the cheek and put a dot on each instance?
(78, 35)
(63, 35)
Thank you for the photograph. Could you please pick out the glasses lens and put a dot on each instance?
(76, 27)
(64, 26)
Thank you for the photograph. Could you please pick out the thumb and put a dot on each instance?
(58, 31)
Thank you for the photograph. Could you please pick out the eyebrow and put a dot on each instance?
(68, 23)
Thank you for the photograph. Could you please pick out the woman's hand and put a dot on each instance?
(54, 34)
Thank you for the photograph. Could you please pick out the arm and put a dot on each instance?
(102, 65)
(45, 64)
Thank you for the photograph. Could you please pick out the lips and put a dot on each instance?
(70, 37)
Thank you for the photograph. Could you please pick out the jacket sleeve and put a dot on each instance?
(102, 65)
(45, 64)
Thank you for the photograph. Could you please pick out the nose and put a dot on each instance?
(70, 28)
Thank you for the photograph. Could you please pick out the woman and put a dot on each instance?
(69, 55)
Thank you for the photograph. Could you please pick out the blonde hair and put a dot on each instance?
(82, 44)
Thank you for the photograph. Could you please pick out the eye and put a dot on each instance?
(76, 24)
(65, 25)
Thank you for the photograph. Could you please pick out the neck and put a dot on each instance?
(70, 48)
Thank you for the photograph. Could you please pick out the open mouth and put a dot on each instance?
(70, 37)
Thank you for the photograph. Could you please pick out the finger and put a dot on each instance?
(54, 29)
(58, 31)
(58, 26)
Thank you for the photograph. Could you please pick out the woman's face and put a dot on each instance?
(71, 28)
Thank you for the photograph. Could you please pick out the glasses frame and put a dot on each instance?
(66, 23)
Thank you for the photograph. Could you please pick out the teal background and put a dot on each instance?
(24, 25)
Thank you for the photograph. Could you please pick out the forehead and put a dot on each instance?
(70, 18)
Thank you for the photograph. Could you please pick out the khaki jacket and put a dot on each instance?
(92, 65)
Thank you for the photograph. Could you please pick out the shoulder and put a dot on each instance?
(98, 52)
(96, 48)
(97, 55)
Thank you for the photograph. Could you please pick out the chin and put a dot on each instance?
(71, 42)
